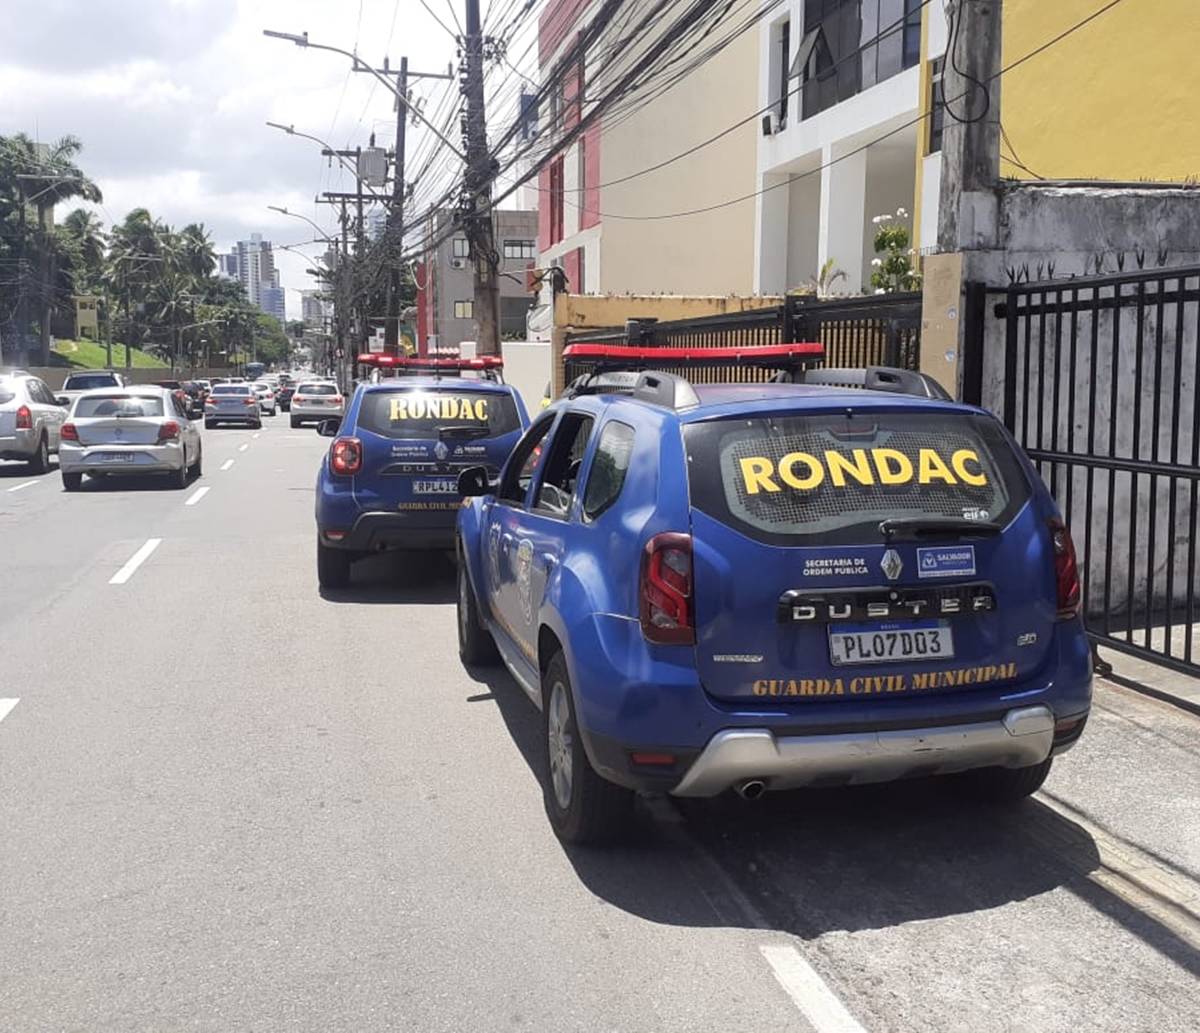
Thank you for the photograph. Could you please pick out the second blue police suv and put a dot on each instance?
(390, 478)
(836, 577)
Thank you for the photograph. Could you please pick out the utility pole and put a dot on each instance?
(477, 197)
(395, 229)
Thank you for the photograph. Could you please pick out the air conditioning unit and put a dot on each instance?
(458, 263)
(770, 123)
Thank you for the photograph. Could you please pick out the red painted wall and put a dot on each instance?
(590, 215)
(572, 266)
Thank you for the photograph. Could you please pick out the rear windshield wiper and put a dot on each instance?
(914, 528)
(463, 432)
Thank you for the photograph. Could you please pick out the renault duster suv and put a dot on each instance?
(773, 585)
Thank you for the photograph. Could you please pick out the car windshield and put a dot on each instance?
(231, 389)
(90, 381)
(118, 406)
(316, 389)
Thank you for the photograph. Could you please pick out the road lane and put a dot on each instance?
(236, 804)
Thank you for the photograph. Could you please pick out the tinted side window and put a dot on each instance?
(518, 475)
(609, 468)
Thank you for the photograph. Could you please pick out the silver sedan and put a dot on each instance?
(128, 432)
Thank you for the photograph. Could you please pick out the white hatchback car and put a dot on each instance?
(316, 400)
(267, 401)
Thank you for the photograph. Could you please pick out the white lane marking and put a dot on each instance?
(6, 706)
(226, 465)
(135, 561)
(21, 487)
(242, 448)
(200, 493)
(255, 436)
(809, 991)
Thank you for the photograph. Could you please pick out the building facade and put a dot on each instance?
(446, 281)
(312, 309)
(609, 216)
(252, 263)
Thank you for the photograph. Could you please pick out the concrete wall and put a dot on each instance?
(526, 366)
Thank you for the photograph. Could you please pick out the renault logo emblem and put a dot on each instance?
(891, 564)
(440, 451)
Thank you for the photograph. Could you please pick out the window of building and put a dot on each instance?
(518, 249)
(460, 247)
(464, 310)
(937, 105)
(781, 67)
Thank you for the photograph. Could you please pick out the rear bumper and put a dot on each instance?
(254, 416)
(143, 459)
(304, 412)
(1021, 738)
(389, 532)
(20, 444)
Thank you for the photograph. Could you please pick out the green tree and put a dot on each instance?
(892, 270)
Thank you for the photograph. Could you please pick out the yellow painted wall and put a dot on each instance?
(1119, 99)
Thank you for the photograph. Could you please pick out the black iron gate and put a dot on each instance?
(1100, 386)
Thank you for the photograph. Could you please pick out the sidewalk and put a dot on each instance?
(1152, 679)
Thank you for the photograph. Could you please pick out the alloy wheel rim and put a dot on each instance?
(560, 742)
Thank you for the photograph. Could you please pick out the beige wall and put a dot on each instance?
(712, 253)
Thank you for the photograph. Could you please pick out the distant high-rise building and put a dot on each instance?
(227, 266)
(312, 309)
(252, 263)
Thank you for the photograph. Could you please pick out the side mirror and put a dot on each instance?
(63, 400)
(329, 428)
(473, 483)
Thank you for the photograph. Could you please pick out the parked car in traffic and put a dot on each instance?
(232, 403)
(266, 398)
(129, 431)
(30, 420)
(315, 401)
(773, 585)
(390, 479)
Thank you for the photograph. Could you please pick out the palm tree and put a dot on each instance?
(85, 234)
(135, 262)
(52, 177)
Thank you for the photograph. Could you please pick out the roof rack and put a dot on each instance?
(880, 378)
(489, 367)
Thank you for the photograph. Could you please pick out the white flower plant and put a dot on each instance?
(893, 270)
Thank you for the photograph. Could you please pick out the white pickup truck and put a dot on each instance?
(88, 380)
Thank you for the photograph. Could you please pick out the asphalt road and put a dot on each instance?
(229, 804)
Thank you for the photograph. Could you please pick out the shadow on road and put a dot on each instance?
(816, 861)
(413, 578)
(20, 471)
(131, 483)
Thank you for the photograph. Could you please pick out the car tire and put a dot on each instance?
(257, 425)
(179, 478)
(476, 647)
(1005, 785)
(582, 806)
(295, 423)
(198, 465)
(40, 462)
(209, 424)
(72, 481)
(333, 567)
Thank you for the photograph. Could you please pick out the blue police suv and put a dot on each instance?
(390, 478)
(835, 577)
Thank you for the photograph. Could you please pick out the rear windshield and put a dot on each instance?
(231, 389)
(90, 381)
(316, 389)
(832, 478)
(122, 406)
(426, 413)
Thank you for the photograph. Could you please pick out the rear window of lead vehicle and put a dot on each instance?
(425, 414)
(90, 381)
(119, 406)
(830, 479)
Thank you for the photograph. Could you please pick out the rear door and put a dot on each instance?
(800, 595)
(418, 439)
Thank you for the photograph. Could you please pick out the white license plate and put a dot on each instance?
(116, 457)
(911, 643)
(442, 487)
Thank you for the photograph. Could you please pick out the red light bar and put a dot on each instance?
(772, 356)
(483, 362)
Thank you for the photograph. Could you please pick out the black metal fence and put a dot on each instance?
(1101, 386)
(884, 330)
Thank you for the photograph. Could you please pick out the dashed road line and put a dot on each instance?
(6, 706)
(808, 991)
(21, 487)
(135, 561)
(199, 494)
(256, 436)
(242, 448)
(226, 465)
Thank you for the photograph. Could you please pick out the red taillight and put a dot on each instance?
(210, 401)
(337, 400)
(69, 432)
(346, 456)
(24, 418)
(1066, 570)
(653, 760)
(249, 401)
(169, 431)
(665, 590)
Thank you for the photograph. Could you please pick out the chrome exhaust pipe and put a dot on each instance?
(751, 789)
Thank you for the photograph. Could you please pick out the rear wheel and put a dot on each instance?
(209, 424)
(198, 465)
(476, 646)
(40, 462)
(295, 423)
(72, 481)
(582, 806)
(257, 424)
(333, 567)
(179, 478)
(1005, 785)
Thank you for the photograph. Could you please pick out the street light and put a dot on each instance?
(333, 151)
(296, 215)
(360, 66)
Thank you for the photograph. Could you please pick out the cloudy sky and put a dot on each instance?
(171, 97)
